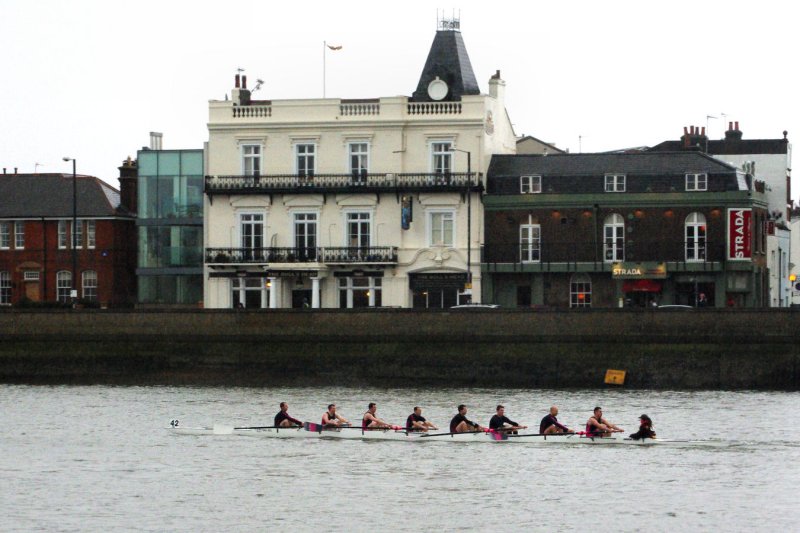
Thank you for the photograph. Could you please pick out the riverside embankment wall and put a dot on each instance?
(699, 349)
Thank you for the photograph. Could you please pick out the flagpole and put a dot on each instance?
(324, 55)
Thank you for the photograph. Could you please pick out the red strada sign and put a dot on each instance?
(740, 234)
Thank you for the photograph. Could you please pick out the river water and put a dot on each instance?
(99, 459)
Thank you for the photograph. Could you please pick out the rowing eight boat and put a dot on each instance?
(314, 431)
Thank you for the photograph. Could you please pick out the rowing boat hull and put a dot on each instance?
(616, 440)
(394, 435)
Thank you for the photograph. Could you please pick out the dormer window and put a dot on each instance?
(530, 184)
(615, 182)
(697, 182)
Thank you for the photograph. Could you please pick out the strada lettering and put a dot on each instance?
(627, 272)
(739, 234)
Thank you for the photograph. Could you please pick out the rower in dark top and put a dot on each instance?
(370, 421)
(500, 422)
(460, 423)
(597, 426)
(550, 424)
(332, 420)
(417, 422)
(645, 429)
(283, 420)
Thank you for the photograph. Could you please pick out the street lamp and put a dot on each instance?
(74, 237)
(469, 213)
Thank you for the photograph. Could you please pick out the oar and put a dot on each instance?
(578, 433)
(451, 433)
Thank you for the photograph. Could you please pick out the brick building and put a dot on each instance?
(636, 229)
(36, 229)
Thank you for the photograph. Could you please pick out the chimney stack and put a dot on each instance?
(244, 82)
(237, 82)
(497, 87)
(733, 133)
(128, 174)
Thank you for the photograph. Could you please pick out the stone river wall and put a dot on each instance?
(696, 349)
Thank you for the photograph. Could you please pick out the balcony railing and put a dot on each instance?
(326, 255)
(349, 254)
(546, 252)
(354, 182)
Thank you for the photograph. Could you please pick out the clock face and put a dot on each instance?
(437, 89)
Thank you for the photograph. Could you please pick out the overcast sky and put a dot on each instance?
(91, 79)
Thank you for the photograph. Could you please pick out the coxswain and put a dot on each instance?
(331, 419)
(597, 426)
(500, 422)
(645, 429)
(550, 424)
(283, 420)
(460, 423)
(370, 421)
(417, 422)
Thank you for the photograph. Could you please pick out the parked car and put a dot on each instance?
(476, 306)
(676, 307)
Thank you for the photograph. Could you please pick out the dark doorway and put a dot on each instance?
(301, 298)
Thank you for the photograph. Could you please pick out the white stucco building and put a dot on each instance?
(337, 203)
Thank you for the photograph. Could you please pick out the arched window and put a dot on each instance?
(696, 237)
(63, 285)
(5, 288)
(614, 238)
(89, 285)
(580, 291)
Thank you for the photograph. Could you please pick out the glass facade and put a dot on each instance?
(170, 227)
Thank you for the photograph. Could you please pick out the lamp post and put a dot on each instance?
(73, 235)
(469, 214)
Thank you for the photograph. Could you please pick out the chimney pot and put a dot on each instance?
(730, 126)
(703, 131)
(685, 130)
(237, 81)
(737, 125)
(244, 82)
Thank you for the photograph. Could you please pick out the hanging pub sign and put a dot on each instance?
(740, 234)
(406, 212)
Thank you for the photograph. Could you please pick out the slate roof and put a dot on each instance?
(50, 195)
(447, 59)
(729, 147)
(646, 163)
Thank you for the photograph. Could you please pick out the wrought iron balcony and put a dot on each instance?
(332, 255)
(355, 182)
(349, 255)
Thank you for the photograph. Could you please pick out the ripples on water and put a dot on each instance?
(98, 458)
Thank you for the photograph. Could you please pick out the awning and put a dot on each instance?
(641, 285)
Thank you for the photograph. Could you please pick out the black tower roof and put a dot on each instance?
(448, 60)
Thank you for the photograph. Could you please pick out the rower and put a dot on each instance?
(283, 420)
(597, 426)
(550, 423)
(417, 422)
(500, 422)
(332, 420)
(370, 421)
(460, 424)
(645, 429)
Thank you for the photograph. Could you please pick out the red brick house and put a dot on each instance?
(36, 224)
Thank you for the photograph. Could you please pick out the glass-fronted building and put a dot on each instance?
(170, 227)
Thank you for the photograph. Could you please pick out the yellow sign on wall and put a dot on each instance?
(615, 377)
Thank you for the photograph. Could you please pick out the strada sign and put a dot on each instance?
(740, 234)
(643, 270)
